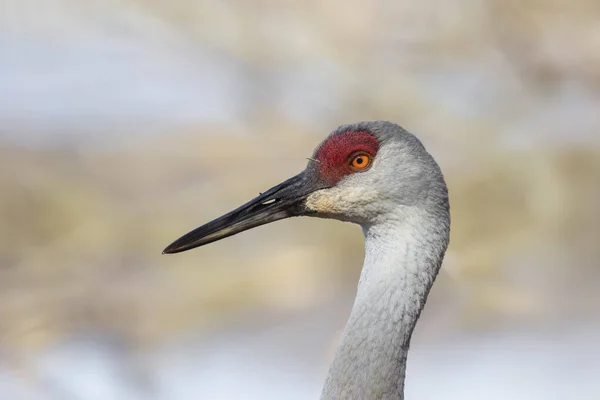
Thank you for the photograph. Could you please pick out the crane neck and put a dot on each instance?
(402, 258)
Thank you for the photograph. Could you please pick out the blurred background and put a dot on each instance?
(126, 123)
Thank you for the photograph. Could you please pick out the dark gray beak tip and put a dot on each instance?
(174, 248)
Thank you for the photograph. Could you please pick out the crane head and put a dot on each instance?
(359, 173)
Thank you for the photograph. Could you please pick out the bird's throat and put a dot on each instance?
(401, 263)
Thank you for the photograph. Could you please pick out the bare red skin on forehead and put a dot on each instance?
(334, 153)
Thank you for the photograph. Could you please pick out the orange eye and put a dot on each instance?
(360, 161)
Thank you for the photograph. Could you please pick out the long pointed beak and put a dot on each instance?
(282, 201)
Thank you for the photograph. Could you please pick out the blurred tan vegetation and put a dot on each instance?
(82, 227)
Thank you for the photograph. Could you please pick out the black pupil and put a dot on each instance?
(359, 160)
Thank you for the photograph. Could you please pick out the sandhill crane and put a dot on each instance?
(377, 175)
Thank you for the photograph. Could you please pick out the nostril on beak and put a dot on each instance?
(270, 201)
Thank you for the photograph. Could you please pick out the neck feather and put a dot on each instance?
(402, 259)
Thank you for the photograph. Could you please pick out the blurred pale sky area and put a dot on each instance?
(126, 123)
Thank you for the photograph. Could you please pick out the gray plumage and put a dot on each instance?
(406, 224)
(401, 202)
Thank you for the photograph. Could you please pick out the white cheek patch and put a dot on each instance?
(341, 201)
(321, 201)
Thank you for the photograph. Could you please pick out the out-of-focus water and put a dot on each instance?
(95, 72)
(106, 86)
(289, 361)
